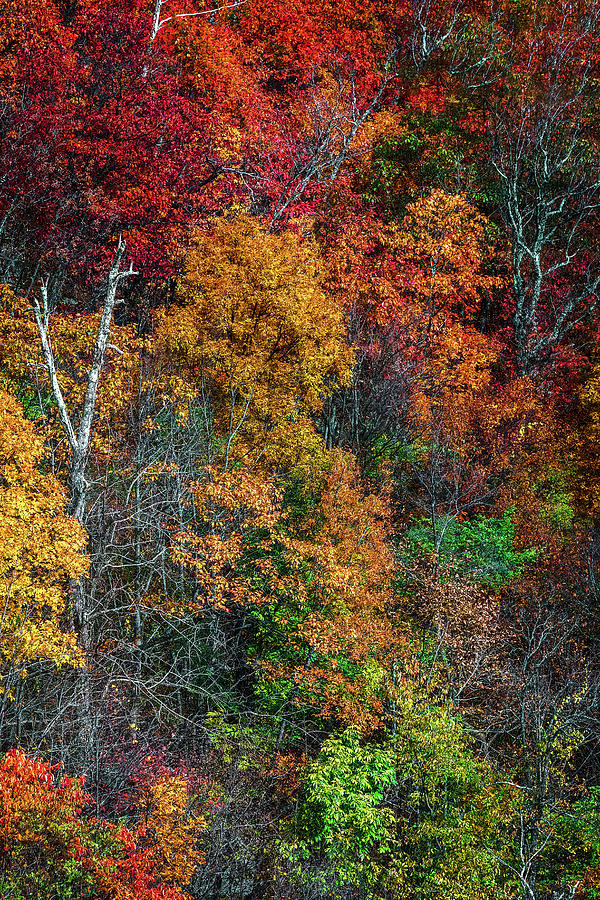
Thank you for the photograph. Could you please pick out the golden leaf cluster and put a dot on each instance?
(41, 548)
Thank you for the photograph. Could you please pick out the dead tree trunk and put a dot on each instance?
(78, 437)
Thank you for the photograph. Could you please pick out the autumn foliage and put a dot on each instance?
(299, 428)
(51, 841)
(41, 549)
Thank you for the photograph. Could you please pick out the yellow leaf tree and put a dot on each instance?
(40, 549)
(257, 329)
(175, 826)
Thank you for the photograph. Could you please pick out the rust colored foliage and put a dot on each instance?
(336, 607)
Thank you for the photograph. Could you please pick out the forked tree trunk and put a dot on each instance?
(78, 437)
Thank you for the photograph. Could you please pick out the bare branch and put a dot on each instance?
(79, 438)
(42, 319)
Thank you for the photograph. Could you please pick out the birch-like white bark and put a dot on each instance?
(79, 438)
(79, 441)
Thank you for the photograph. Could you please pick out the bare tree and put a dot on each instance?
(434, 25)
(335, 124)
(540, 693)
(548, 164)
(79, 435)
